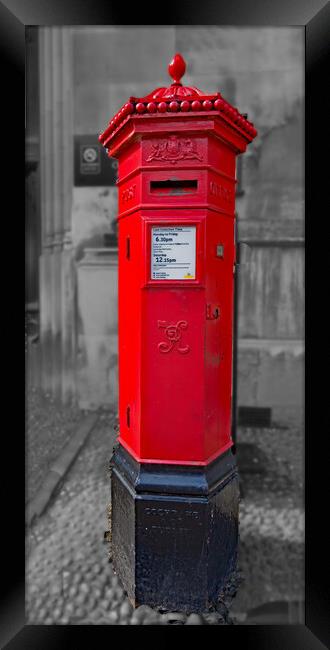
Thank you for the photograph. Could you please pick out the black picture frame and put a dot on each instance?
(15, 15)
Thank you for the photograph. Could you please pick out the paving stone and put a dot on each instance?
(214, 619)
(71, 581)
(112, 617)
(172, 617)
(126, 609)
(195, 619)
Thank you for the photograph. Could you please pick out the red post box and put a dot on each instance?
(174, 476)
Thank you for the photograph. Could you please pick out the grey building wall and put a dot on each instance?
(261, 71)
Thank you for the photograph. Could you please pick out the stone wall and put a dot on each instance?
(86, 74)
(261, 71)
(109, 65)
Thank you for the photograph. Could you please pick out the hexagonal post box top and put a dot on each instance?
(177, 151)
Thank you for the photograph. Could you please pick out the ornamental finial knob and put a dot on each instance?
(177, 68)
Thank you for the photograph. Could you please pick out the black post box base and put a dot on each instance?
(174, 531)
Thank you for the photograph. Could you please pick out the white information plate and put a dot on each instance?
(173, 253)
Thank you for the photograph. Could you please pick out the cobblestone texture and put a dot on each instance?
(69, 579)
(48, 429)
(271, 548)
(282, 485)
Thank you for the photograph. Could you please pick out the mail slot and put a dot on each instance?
(173, 186)
(176, 150)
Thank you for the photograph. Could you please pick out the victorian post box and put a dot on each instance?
(174, 476)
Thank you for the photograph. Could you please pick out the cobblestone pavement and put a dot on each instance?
(271, 548)
(282, 484)
(70, 581)
(48, 429)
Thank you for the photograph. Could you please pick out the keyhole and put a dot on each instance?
(128, 416)
(128, 248)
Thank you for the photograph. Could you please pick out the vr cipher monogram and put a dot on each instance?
(174, 335)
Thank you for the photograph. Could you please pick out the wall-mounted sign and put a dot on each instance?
(92, 166)
(90, 162)
(173, 253)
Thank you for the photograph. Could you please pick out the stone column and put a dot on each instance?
(57, 276)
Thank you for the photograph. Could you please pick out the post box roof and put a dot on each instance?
(175, 99)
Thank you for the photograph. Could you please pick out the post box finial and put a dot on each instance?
(177, 68)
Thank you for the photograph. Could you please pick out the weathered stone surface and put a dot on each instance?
(277, 231)
(258, 59)
(271, 294)
(270, 374)
(57, 322)
(97, 329)
(109, 67)
(93, 212)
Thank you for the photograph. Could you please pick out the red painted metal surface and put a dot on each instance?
(177, 161)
